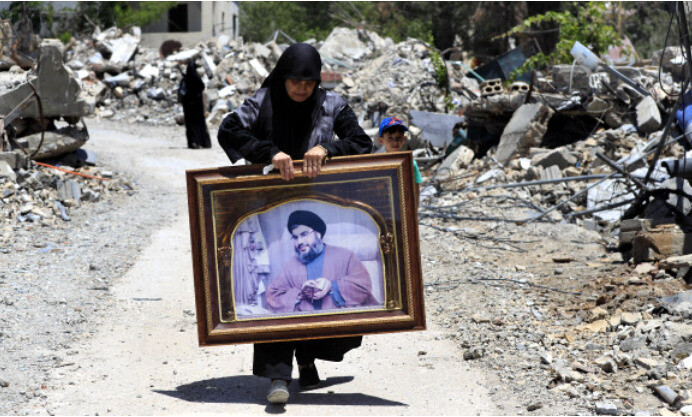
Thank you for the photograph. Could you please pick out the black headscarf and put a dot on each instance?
(292, 122)
(193, 83)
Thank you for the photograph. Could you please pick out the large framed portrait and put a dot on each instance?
(335, 255)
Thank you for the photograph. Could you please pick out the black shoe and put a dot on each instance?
(308, 376)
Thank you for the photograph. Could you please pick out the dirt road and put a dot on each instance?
(144, 358)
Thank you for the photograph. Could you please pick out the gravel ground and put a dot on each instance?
(510, 296)
(55, 284)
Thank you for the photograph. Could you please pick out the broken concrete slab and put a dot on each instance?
(149, 71)
(55, 143)
(455, 162)
(436, 127)
(259, 68)
(59, 91)
(648, 115)
(6, 171)
(493, 173)
(15, 159)
(560, 157)
(606, 409)
(550, 173)
(678, 304)
(683, 261)
(208, 64)
(660, 242)
(184, 55)
(69, 191)
(344, 42)
(644, 268)
(524, 130)
(123, 48)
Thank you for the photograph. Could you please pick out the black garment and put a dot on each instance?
(190, 93)
(270, 122)
(275, 360)
(251, 143)
(292, 122)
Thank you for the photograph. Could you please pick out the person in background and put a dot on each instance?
(291, 118)
(392, 137)
(190, 96)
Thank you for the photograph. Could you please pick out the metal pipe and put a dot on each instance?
(682, 14)
(615, 166)
(601, 208)
(666, 131)
(468, 69)
(624, 79)
(541, 182)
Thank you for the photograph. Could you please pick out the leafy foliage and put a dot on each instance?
(583, 22)
(65, 37)
(299, 20)
(32, 9)
(438, 65)
(646, 24)
(145, 12)
(305, 20)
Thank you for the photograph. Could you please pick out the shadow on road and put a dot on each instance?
(252, 390)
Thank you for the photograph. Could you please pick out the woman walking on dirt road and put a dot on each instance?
(290, 117)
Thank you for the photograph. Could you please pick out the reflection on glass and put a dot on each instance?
(306, 257)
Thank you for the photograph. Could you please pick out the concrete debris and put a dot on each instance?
(667, 394)
(524, 130)
(58, 90)
(678, 304)
(534, 147)
(648, 115)
(44, 195)
(436, 127)
(606, 409)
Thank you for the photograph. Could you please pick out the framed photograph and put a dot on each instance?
(336, 255)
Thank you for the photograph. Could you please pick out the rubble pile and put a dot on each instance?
(400, 79)
(583, 328)
(45, 196)
(583, 147)
(376, 75)
(573, 145)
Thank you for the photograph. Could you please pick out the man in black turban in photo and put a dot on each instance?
(319, 277)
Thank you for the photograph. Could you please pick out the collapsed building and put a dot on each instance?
(595, 146)
(573, 140)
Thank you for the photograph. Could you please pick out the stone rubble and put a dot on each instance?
(609, 334)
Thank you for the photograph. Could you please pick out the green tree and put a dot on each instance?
(139, 14)
(31, 9)
(646, 24)
(584, 22)
(304, 20)
(259, 20)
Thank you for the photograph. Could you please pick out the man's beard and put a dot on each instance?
(315, 251)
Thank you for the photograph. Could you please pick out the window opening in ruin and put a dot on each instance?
(177, 18)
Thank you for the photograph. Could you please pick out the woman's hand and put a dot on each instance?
(284, 164)
(313, 161)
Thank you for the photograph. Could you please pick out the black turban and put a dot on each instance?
(306, 218)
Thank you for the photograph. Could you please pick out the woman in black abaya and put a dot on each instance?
(290, 117)
(190, 92)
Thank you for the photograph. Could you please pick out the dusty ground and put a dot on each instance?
(97, 315)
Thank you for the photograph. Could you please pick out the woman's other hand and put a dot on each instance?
(313, 161)
(284, 164)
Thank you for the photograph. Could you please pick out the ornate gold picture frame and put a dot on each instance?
(336, 255)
